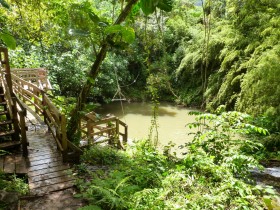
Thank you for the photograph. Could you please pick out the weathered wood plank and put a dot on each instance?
(51, 175)
(45, 166)
(1, 163)
(21, 167)
(52, 188)
(42, 156)
(48, 170)
(44, 150)
(9, 164)
(45, 161)
(35, 154)
(51, 181)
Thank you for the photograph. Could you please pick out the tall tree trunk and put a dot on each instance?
(75, 116)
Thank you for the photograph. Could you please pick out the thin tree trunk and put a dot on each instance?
(75, 116)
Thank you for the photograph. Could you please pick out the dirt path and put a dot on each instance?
(61, 200)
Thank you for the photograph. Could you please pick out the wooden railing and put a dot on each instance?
(15, 107)
(96, 130)
(28, 86)
(38, 76)
(37, 98)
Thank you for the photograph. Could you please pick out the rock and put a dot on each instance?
(9, 198)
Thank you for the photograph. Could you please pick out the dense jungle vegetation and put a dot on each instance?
(218, 55)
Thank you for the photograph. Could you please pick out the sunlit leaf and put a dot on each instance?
(94, 17)
(8, 40)
(148, 6)
(127, 33)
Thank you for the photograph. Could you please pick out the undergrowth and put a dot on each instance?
(214, 174)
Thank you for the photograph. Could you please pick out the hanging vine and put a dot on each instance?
(206, 6)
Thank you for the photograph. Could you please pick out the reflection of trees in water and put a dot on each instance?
(144, 109)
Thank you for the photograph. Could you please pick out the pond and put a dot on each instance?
(172, 120)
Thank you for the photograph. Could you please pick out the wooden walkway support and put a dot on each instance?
(13, 129)
(37, 98)
(98, 130)
(46, 170)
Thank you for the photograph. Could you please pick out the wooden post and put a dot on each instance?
(125, 134)
(15, 120)
(63, 137)
(7, 68)
(63, 132)
(44, 106)
(23, 134)
(117, 127)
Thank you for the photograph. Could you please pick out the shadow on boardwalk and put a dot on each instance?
(50, 180)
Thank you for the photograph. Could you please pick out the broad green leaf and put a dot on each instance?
(8, 40)
(4, 4)
(148, 6)
(165, 5)
(94, 17)
(127, 33)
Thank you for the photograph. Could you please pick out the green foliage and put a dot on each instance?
(125, 34)
(102, 155)
(11, 183)
(149, 6)
(8, 39)
(212, 175)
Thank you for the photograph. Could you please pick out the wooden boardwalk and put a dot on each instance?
(46, 170)
(44, 166)
(15, 163)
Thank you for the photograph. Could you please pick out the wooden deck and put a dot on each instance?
(11, 164)
(46, 170)
(44, 166)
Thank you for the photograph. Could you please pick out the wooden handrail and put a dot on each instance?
(14, 105)
(39, 76)
(108, 127)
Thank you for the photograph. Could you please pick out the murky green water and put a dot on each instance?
(172, 120)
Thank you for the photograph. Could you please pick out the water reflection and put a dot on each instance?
(172, 120)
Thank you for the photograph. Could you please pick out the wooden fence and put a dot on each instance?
(38, 76)
(15, 107)
(110, 129)
(35, 97)
(30, 86)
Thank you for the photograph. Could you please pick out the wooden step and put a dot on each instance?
(9, 144)
(3, 103)
(3, 112)
(6, 133)
(6, 122)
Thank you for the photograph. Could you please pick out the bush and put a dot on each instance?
(214, 174)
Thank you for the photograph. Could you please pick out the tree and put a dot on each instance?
(148, 7)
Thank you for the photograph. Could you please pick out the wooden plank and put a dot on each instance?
(37, 152)
(34, 154)
(9, 144)
(9, 164)
(45, 166)
(1, 163)
(45, 161)
(54, 111)
(48, 170)
(51, 175)
(52, 188)
(20, 165)
(51, 181)
(43, 156)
